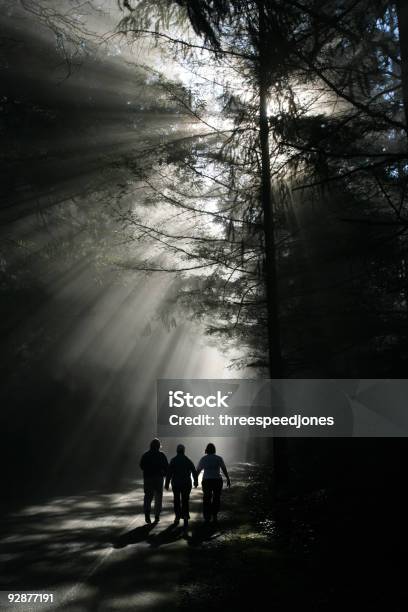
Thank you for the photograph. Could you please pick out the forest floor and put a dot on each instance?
(94, 552)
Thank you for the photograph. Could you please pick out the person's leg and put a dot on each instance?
(210, 485)
(185, 497)
(217, 487)
(177, 506)
(148, 496)
(206, 499)
(158, 498)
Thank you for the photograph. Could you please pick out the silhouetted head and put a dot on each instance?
(180, 449)
(155, 444)
(210, 449)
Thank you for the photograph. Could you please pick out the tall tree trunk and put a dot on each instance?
(402, 13)
(270, 272)
(280, 454)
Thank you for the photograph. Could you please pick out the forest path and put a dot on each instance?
(95, 552)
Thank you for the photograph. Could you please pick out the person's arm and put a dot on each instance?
(169, 475)
(194, 474)
(142, 462)
(225, 472)
(165, 464)
(199, 468)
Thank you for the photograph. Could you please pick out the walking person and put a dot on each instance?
(154, 465)
(181, 470)
(212, 483)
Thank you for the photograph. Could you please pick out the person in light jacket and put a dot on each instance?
(212, 483)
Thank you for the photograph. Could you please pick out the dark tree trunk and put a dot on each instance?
(270, 272)
(402, 12)
(280, 454)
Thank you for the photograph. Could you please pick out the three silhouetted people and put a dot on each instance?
(212, 482)
(181, 473)
(181, 470)
(154, 465)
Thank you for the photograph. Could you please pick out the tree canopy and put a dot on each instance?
(307, 184)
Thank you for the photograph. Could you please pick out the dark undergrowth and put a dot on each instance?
(328, 548)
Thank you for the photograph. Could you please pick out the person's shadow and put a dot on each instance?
(167, 536)
(139, 534)
(204, 533)
(142, 534)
